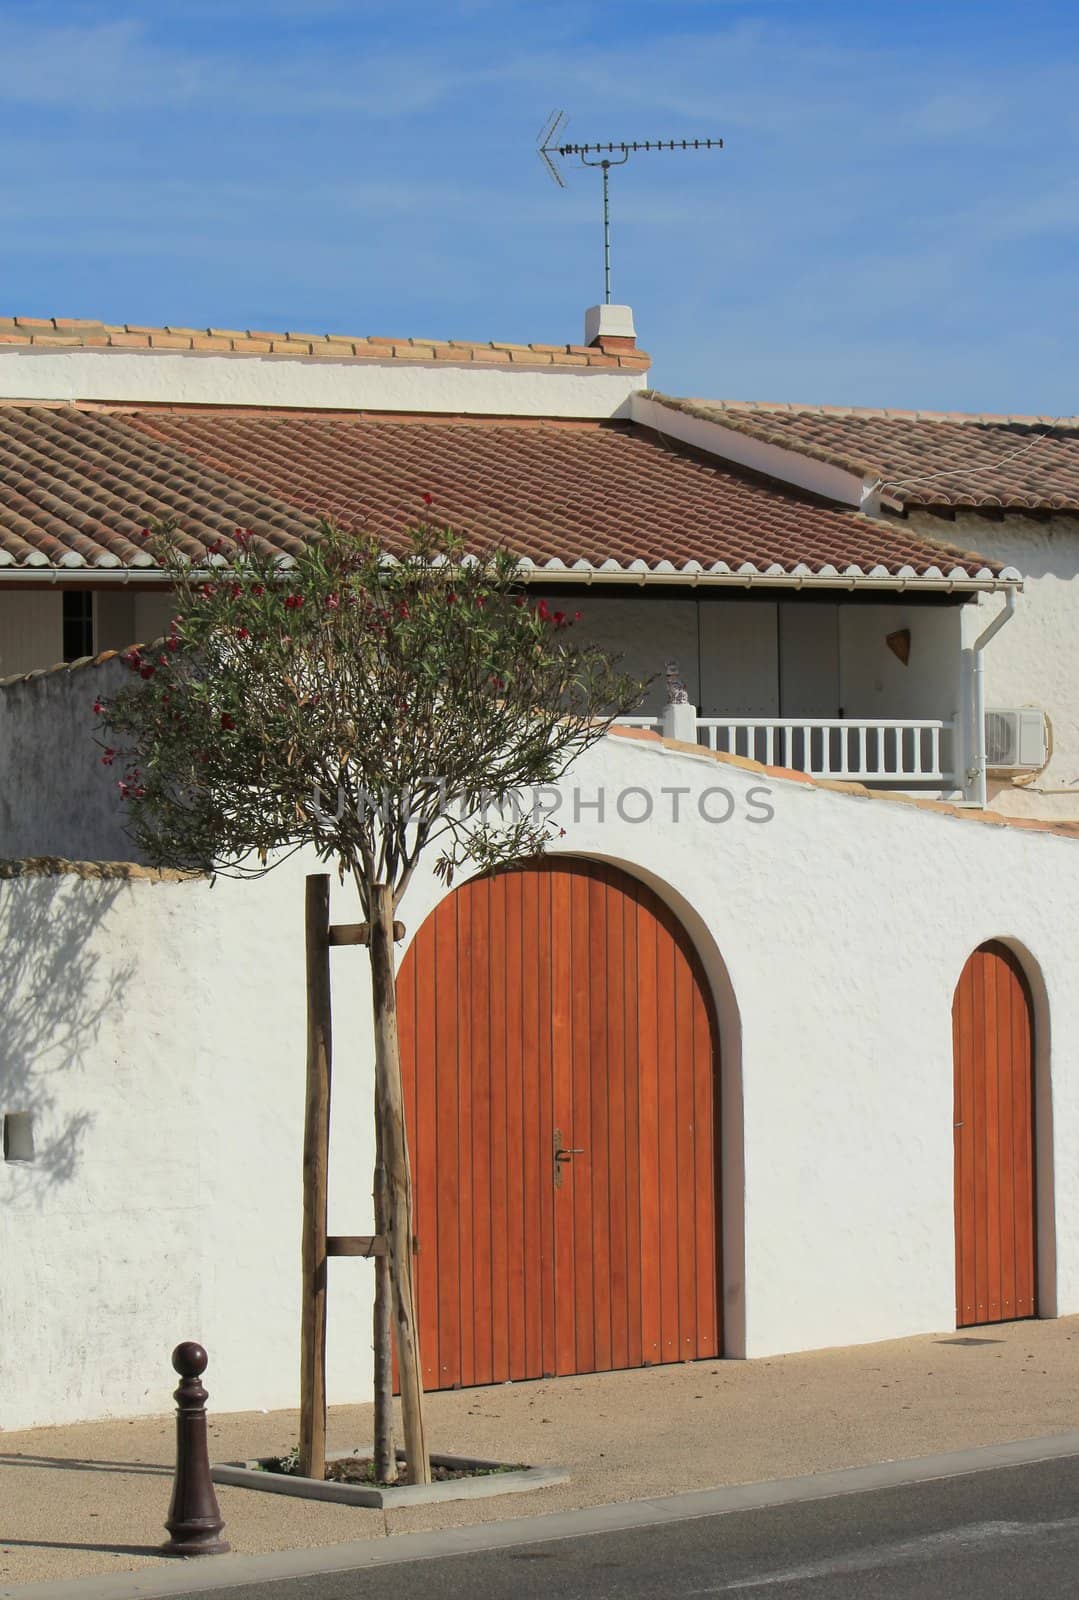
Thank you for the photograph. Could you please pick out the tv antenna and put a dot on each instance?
(551, 144)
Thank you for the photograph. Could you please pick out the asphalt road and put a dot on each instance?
(989, 1535)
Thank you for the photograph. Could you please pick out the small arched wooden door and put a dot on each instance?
(559, 1048)
(993, 1036)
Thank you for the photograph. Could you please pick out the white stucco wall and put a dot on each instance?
(189, 378)
(157, 1028)
(152, 614)
(56, 797)
(1034, 661)
(31, 630)
(875, 682)
(157, 1032)
(31, 624)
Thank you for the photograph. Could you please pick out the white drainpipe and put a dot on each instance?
(978, 769)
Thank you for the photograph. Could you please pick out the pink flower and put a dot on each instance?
(147, 671)
(172, 644)
(258, 590)
(481, 599)
(108, 758)
(403, 611)
(576, 616)
(293, 602)
(235, 591)
(227, 723)
(132, 660)
(451, 598)
(542, 612)
(98, 708)
(559, 619)
(332, 602)
(242, 633)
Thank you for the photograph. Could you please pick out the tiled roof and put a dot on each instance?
(65, 332)
(77, 485)
(922, 458)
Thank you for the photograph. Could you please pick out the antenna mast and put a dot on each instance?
(604, 156)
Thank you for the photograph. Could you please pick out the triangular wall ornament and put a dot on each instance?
(899, 644)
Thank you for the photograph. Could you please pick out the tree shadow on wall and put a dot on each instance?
(56, 985)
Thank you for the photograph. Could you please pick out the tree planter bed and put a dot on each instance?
(466, 1478)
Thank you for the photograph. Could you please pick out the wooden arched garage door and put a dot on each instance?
(560, 1061)
(993, 1033)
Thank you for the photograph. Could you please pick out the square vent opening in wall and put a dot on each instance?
(1015, 741)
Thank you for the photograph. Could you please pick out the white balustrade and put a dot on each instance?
(871, 750)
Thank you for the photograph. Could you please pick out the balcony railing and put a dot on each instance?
(896, 753)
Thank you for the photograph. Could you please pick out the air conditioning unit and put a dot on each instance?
(1015, 741)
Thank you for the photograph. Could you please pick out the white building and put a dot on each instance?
(762, 1005)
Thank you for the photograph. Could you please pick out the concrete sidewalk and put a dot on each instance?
(92, 1498)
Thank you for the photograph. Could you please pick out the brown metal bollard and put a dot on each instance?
(194, 1518)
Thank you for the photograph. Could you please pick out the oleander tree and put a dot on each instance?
(377, 710)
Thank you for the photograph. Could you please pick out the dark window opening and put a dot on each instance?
(78, 624)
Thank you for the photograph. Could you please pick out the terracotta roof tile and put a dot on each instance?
(922, 458)
(76, 331)
(77, 485)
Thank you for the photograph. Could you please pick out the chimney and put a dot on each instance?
(610, 329)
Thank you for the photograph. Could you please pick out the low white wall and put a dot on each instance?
(56, 797)
(158, 1029)
(157, 1032)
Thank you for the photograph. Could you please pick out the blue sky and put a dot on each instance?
(894, 220)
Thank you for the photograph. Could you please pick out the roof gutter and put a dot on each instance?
(1008, 582)
(764, 580)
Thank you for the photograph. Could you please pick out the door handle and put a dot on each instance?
(562, 1155)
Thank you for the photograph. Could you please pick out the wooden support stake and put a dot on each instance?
(358, 932)
(355, 1244)
(316, 1152)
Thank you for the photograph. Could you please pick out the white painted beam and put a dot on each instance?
(790, 466)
